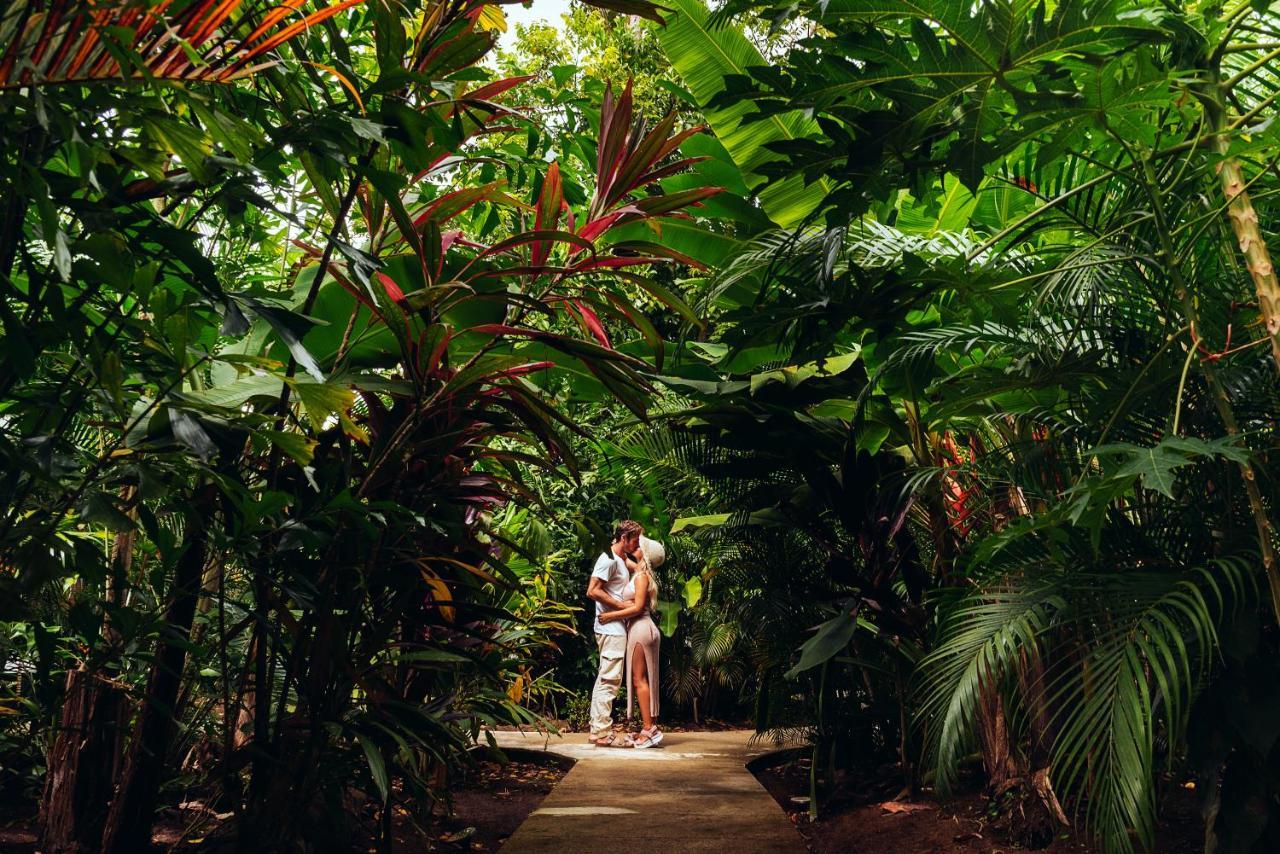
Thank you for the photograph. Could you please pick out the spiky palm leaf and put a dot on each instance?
(1129, 648)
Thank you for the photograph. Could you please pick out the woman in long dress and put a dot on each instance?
(642, 637)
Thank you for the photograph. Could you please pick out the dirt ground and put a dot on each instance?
(488, 804)
(862, 817)
(16, 828)
(494, 800)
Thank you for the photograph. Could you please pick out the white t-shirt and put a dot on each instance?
(613, 572)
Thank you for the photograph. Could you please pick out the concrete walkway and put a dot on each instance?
(693, 793)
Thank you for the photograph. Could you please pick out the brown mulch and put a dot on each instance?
(493, 800)
(864, 814)
(488, 803)
(17, 830)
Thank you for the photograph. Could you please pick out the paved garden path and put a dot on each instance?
(694, 793)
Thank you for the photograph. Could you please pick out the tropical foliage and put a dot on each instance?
(274, 356)
(937, 340)
(1039, 266)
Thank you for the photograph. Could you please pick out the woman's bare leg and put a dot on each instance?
(640, 684)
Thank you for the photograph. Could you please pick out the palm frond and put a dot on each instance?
(1130, 651)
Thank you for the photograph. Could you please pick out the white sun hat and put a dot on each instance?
(654, 551)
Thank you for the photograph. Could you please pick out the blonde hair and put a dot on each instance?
(651, 554)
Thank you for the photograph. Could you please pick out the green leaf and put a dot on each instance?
(766, 518)
(692, 523)
(300, 448)
(376, 766)
(236, 393)
(669, 619)
(183, 140)
(704, 57)
(187, 430)
(685, 237)
(830, 640)
(692, 591)
(290, 326)
(98, 508)
(793, 375)
(62, 255)
(1156, 466)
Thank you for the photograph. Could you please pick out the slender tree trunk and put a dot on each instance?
(1021, 789)
(1264, 281)
(1244, 222)
(129, 822)
(993, 736)
(1031, 679)
(248, 695)
(286, 802)
(85, 754)
(82, 764)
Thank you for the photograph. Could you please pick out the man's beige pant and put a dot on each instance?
(613, 651)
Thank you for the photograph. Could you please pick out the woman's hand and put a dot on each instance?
(610, 616)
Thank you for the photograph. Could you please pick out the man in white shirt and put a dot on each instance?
(607, 586)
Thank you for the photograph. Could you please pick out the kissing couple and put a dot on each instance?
(626, 595)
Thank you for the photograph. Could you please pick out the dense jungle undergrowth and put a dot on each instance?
(937, 340)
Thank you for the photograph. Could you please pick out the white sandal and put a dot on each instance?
(648, 738)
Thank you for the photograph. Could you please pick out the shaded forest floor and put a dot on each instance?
(489, 801)
(861, 817)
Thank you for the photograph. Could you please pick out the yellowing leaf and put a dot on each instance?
(440, 591)
(471, 568)
(352, 429)
(322, 400)
(297, 446)
(493, 18)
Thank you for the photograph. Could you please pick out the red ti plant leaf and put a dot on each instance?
(656, 205)
(614, 262)
(535, 237)
(203, 27)
(456, 237)
(671, 168)
(491, 90)
(599, 225)
(548, 213)
(392, 289)
(637, 159)
(629, 160)
(592, 322)
(521, 370)
(615, 132)
(435, 363)
(449, 205)
(644, 246)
